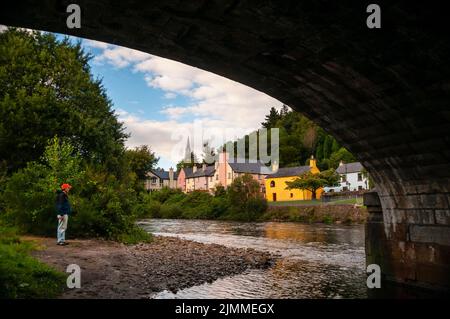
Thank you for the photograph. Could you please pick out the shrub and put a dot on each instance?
(171, 211)
(134, 236)
(164, 194)
(105, 205)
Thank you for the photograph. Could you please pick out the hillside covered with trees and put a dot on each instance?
(299, 138)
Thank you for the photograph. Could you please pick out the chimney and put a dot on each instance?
(341, 163)
(275, 167)
(204, 167)
(223, 157)
(171, 177)
(312, 162)
(194, 168)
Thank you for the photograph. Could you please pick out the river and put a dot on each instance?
(317, 260)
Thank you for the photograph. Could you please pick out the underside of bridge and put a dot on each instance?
(383, 93)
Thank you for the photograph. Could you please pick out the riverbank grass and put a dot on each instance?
(22, 276)
(349, 201)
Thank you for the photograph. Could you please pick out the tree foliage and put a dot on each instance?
(46, 89)
(312, 182)
(141, 160)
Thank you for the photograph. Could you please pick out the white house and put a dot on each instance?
(353, 178)
(159, 178)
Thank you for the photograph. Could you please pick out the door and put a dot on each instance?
(274, 197)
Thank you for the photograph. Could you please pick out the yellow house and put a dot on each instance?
(276, 183)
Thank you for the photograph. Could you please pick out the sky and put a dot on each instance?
(162, 102)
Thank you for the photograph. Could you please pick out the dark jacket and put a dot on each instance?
(62, 204)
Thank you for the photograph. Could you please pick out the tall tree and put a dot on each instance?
(141, 160)
(46, 89)
(209, 154)
(271, 119)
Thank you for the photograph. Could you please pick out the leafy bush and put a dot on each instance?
(105, 205)
(171, 211)
(241, 201)
(164, 194)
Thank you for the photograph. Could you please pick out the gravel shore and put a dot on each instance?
(113, 270)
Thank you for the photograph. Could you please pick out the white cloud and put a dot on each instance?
(95, 44)
(223, 104)
(170, 95)
(119, 57)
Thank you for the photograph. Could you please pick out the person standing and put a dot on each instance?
(63, 211)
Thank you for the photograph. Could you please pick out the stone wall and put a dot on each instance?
(411, 245)
(318, 213)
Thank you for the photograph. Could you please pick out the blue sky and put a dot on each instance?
(163, 102)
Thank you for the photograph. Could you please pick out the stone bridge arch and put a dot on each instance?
(383, 93)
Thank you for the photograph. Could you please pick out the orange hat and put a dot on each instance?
(66, 186)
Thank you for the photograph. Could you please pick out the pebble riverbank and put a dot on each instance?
(113, 270)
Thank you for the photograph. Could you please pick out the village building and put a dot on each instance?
(353, 178)
(276, 183)
(199, 178)
(159, 178)
(227, 170)
(181, 177)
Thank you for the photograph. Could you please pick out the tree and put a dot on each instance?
(271, 119)
(245, 199)
(46, 89)
(313, 182)
(141, 160)
(29, 194)
(341, 155)
(209, 154)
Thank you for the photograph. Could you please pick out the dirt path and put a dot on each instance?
(113, 270)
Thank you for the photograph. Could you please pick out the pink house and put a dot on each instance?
(181, 180)
(199, 178)
(223, 172)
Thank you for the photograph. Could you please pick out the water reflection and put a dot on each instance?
(318, 261)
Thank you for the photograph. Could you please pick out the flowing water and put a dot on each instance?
(317, 261)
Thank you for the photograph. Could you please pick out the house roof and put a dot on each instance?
(162, 174)
(290, 171)
(187, 171)
(209, 171)
(349, 168)
(250, 168)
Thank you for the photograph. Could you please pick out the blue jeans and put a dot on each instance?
(62, 227)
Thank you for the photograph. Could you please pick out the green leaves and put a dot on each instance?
(312, 182)
(46, 89)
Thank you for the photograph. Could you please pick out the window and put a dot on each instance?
(343, 178)
(211, 179)
(272, 184)
(359, 177)
(360, 188)
(217, 177)
(345, 188)
(292, 195)
(229, 175)
(153, 180)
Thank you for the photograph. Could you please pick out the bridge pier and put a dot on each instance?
(411, 252)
